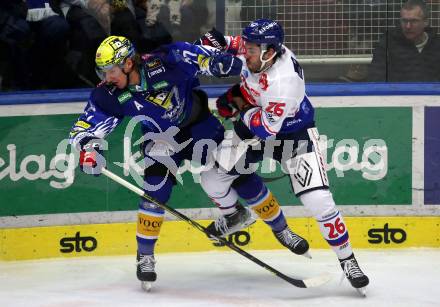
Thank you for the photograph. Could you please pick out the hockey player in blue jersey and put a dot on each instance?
(161, 87)
(273, 112)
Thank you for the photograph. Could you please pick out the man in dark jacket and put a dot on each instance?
(14, 35)
(409, 53)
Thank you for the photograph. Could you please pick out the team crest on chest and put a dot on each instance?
(161, 98)
(264, 84)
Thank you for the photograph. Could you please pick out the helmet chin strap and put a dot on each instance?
(263, 62)
(127, 75)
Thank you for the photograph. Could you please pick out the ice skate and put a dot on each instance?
(230, 223)
(355, 276)
(145, 270)
(293, 242)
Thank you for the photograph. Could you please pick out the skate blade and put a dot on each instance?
(307, 255)
(146, 285)
(362, 291)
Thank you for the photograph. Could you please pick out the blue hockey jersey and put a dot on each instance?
(168, 76)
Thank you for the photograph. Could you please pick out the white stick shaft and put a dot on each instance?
(123, 182)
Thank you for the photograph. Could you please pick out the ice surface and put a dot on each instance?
(409, 277)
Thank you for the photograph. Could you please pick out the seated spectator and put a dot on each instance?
(46, 56)
(91, 21)
(183, 19)
(153, 17)
(90, 24)
(14, 38)
(409, 52)
(193, 16)
(362, 16)
(123, 21)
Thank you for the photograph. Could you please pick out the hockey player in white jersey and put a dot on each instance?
(275, 117)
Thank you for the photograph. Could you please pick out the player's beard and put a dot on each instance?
(253, 67)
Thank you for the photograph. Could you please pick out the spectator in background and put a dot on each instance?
(183, 19)
(409, 52)
(93, 20)
(90, 24)
(46, 56)
(123, 20)
(194, 15)
(14, 37)
(153, 17)
(362, 16)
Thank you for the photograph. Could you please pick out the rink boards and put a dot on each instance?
(381, 144)
(179, 236)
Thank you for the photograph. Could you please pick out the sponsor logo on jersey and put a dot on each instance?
(124, 97)
(160, 85)
(293, 122)
(269, 117)
(78, 244)
(82, 124)
(151, 65)
(157, 71)
(386, 235)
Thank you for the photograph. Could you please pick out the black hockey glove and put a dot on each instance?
(212, 38)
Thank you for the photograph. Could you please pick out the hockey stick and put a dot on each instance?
(301, 283)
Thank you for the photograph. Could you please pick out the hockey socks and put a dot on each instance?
(335, 232)
(252, 189)
(267, 208)
(321, 205)
(149, 222)
(265, 205)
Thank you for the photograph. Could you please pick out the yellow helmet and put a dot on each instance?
(114, 50)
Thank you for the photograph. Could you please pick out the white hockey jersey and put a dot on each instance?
(278, 94)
